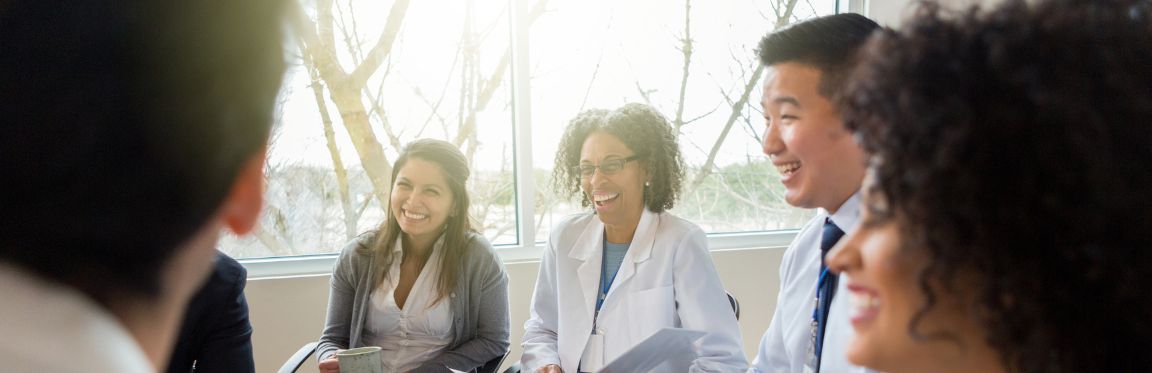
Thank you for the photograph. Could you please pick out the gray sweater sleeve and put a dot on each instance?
(341, 300)
(487, 295)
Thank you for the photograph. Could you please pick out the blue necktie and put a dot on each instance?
(827, 288)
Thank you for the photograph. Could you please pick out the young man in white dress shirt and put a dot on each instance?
(821, 167)
(133, 132)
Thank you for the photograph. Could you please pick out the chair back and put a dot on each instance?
(293, 363)
(735, 304)
(492, 366)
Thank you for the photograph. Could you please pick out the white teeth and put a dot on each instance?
(604, 197)
(414, 216)
(788, 168)
(864, 302)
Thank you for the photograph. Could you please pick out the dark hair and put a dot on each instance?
(458, 228)
(828, 43)
(125, 125)
(645, 131)
(1014, 147)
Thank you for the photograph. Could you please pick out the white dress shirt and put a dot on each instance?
(418, 332)
(784, 347)
(51, 328)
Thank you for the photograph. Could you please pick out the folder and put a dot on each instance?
(669, 349)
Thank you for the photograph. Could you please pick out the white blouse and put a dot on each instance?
(418, 332)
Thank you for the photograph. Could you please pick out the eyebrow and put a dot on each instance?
(787, 100)
(608, 157)
(425, 186)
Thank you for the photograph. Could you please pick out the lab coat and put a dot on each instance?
(666, 279)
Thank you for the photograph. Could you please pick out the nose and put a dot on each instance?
(771, 142)
(412, 199)
(597, 176)
(845, 256)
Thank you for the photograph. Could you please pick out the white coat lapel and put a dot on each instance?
(639, 250)
(588, 250)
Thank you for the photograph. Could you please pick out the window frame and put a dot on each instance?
(528, 247)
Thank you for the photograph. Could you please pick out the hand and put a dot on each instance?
(550, 368)
(330, 365)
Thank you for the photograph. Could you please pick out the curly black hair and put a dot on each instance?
(645, 131)
(1014, 146)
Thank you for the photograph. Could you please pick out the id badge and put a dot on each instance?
(592, 359)
(810, 359)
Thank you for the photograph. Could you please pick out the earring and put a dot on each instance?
(647, 183)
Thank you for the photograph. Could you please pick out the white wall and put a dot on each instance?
(289, 312)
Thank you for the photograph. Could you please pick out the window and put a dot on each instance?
(369, 76)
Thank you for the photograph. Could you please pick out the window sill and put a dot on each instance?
(310, 265)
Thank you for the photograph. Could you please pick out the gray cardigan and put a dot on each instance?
(479, 306)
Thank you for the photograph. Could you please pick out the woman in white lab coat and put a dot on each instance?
(612, 277)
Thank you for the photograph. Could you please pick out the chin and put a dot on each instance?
(796, 199)
(859, 354)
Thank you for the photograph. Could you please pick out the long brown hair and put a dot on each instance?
(458, 227)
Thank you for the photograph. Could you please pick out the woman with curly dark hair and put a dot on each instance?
(613, 276)
(1007, 222)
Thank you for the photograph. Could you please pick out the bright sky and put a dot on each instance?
(602, 49)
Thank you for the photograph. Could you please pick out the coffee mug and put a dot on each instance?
(360, 360)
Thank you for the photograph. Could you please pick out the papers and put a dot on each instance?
(671, 349)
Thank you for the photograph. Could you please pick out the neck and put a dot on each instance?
(418, 247)
(154, 325)
(155, 322)
(622, 233)
(983, 363)
(967, 353)
(838, 202)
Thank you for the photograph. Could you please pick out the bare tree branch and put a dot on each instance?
(323, 56)
(383, 117)
(271, 242)
(383, 47)
(645, 93)
(347, 33)
(324, 19)
(591, 82)
(350, 219)
(738, 106)
(686, 49)
(702, 116)
(785, 18)
(468, 125)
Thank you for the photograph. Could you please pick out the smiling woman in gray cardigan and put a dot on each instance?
(479, 305)
(426, 234)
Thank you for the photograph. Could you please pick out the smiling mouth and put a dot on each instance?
(413, 216)
(600, 199)
(865, 305)
(788, 168)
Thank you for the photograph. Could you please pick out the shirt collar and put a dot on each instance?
(848, 215)
(66, 320)
(398, 246)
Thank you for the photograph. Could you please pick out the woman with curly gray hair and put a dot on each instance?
(613, 276)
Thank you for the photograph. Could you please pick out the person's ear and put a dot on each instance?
(243, 204)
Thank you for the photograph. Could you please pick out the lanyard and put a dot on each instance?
(814, 326)
(605, 285)
(819, 285)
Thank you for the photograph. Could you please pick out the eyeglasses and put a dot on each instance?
(607, 167)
